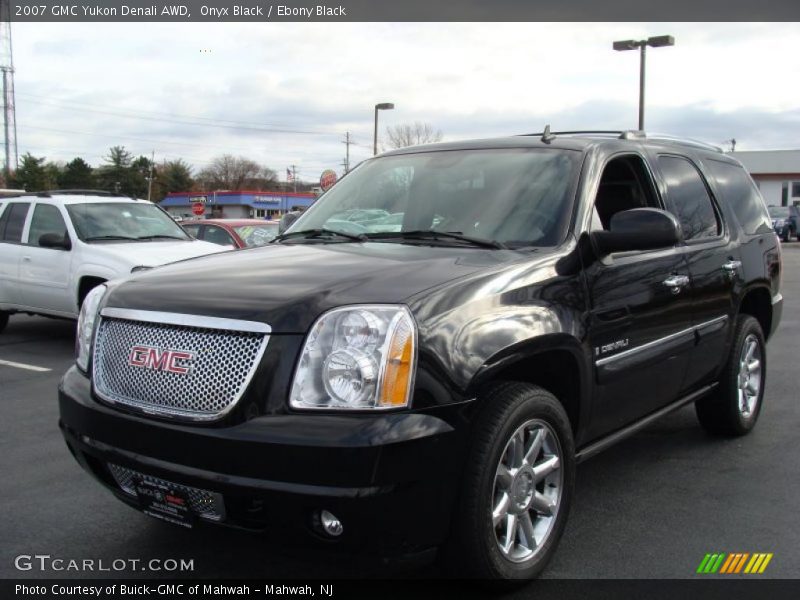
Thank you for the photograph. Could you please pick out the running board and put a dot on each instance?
(620, 434)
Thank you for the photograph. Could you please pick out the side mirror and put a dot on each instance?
(639, 229)
(286, 221)
(53, 240)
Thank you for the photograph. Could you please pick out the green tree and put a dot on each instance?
(77, 175)
(172, 176)
(139, 177)
(115, 174)
(32, 175)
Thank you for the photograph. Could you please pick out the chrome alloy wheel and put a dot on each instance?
(749, 378)
(527, 491)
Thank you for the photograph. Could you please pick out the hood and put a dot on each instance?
(156, 253)
(288, 286)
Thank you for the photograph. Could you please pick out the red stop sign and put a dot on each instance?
(198, 208)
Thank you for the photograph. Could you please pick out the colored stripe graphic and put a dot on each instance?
(732, 560)
(741, 563)
(729, 564)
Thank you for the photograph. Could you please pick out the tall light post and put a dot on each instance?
(381, 106)
(654, 42)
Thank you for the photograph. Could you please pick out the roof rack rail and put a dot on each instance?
(577, 132)
(87, 191)
(663, 137)
(630, 134)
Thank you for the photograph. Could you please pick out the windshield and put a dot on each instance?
(517, 197)
(257, 235)
(780, 212)
(123, 221)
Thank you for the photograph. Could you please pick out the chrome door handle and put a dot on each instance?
(732, 266)
(676, 283)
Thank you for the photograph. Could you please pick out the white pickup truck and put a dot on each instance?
(56, 246)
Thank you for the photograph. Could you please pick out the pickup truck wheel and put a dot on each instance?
(518, 486)
(734, 408)
(3, 320)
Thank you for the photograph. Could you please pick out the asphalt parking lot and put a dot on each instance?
(650, 507)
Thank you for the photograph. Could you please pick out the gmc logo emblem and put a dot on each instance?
(158, 359)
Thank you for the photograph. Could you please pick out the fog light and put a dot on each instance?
(330, 523)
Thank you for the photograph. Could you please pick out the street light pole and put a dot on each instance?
(381, 106)
(654, 42)
(642, 58)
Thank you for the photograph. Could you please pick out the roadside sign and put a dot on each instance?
(327, 179)
(198, 208)
(198, 199)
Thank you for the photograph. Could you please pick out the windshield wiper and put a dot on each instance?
(160, 237)
(315, 233)
(433, 234)
(109, 237)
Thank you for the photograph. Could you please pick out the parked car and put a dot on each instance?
(235, 233)
(785, 221)
(56, 246)
(394, 392)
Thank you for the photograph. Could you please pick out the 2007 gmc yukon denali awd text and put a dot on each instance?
(429, 379)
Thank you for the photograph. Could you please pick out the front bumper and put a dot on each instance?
(390, 478)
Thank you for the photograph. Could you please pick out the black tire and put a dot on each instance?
(722, 413)
(473, 550)
(3, 320)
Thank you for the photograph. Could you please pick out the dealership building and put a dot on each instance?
(239, 204)
(776, 172)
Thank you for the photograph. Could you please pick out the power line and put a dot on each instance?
(182, 121)
(149, 112)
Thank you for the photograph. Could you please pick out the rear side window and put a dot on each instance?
(13, 221)
(192, 230)
(688, 198)
(739, 191)
(217, 235)
(46, 219)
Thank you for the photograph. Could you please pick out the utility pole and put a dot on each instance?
(294, 176)
(347, 143)
(9, 109)
(150, 178)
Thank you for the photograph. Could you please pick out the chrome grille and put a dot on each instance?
(222, 363)
(205, 504)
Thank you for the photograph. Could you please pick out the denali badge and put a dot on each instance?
(160, 359)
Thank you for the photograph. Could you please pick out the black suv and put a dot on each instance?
(785, 221)
(429, 377)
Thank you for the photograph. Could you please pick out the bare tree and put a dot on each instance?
(412, 134)
(228, 172)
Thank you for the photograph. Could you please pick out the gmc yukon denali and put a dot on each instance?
(424, 383)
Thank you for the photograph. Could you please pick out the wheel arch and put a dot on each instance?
(555, 362)
(757, 302)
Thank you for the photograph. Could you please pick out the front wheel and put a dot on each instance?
(518, 486)
(734, 407)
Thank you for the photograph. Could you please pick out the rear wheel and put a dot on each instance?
(3, 320)
(734, 408)
(518, 486)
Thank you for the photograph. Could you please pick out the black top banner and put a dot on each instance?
(400, 10)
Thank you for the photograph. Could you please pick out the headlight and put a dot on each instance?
(356, 358)
(86, 323)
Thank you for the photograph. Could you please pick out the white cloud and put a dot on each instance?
(469, 79)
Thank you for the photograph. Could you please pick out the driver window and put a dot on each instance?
(625, 184)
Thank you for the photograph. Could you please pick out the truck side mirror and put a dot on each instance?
(53, 240)
(638, 229)
(286, 221)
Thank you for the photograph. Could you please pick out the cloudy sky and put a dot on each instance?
(286, 93)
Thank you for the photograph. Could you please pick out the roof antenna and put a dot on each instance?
(547, 137)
